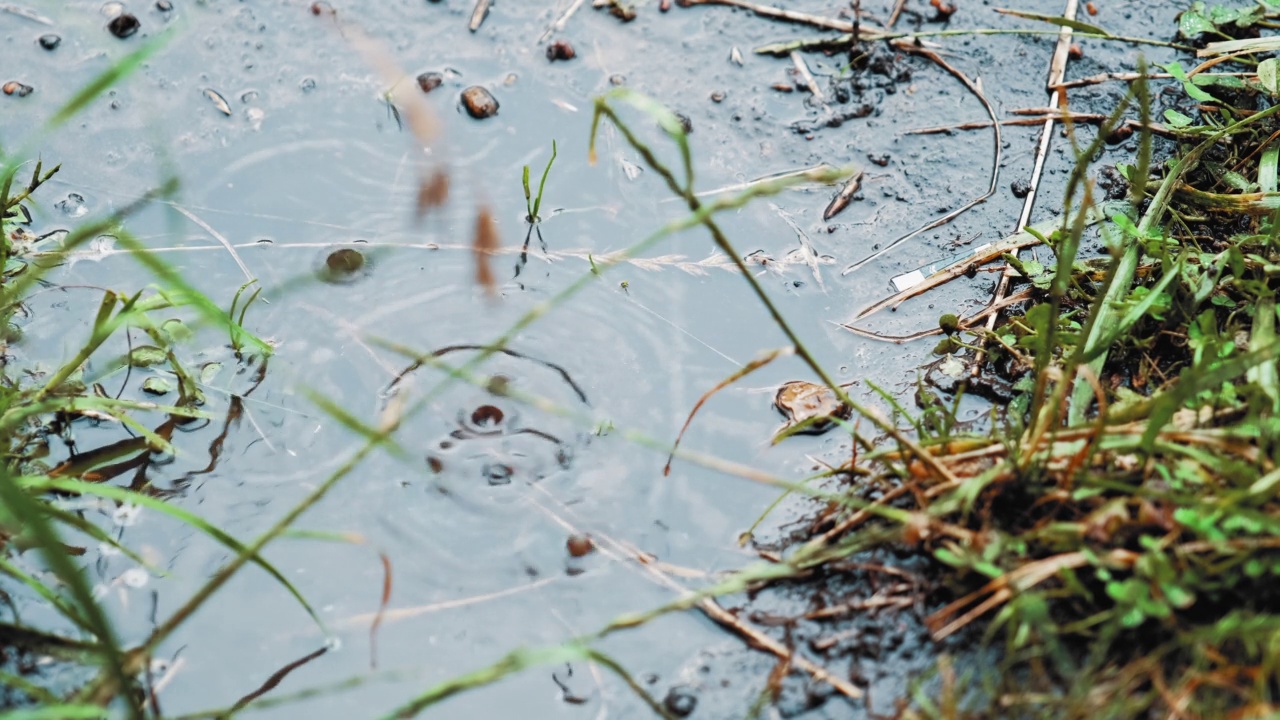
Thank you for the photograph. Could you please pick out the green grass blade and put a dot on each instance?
(20, 504)
(112, 492)
(112, 75)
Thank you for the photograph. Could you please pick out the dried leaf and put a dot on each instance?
(485, 244)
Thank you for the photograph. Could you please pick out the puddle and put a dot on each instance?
(293, 164)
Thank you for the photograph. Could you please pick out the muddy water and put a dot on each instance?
(474, 514)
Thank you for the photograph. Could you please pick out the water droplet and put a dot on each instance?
(135, 577)
(101, 246)
(73, 205)
(126, 514)
(498, 474)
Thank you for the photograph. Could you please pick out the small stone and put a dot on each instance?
(1020, 187)
(617, 80)
(13, 87)
(579, 545)
(479, 102)
(124, 25)
(717, 96)
(429, 81)
(164, 5)
(50, 41)
(560, 50)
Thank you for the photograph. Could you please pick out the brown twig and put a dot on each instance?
(843, 26)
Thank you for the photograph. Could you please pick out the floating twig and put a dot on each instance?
(478, 14)
(1057, 70)
(843, 198)
(792, 16)
(806, 77)
(561, 21)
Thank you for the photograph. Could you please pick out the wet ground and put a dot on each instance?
(287, 151)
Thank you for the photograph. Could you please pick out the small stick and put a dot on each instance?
(561, 21)
(802, 69)
(842, 198)
(217, 236)
(791, 16)
(1057, 70)
(897, 10)
(479, 13)
(965, 323)
(25, 13)
(1077, 117)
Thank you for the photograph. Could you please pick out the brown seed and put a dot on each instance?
(783, 87)
(13, 87)
(579, 545)
(479, 102)
(321, 8)
(124, 25)
(435, 463)
(1075, 51)
(429, 81)
(560, 50)
(1091, 8)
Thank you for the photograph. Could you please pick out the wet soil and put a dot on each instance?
(303, 160)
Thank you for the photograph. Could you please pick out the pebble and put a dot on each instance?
(429, 81)
(124, 25)
(164, 5)
(579, 545)
(1020, 187)
(13, 87)
(479, 102)
(50, 41)
(560, 50)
